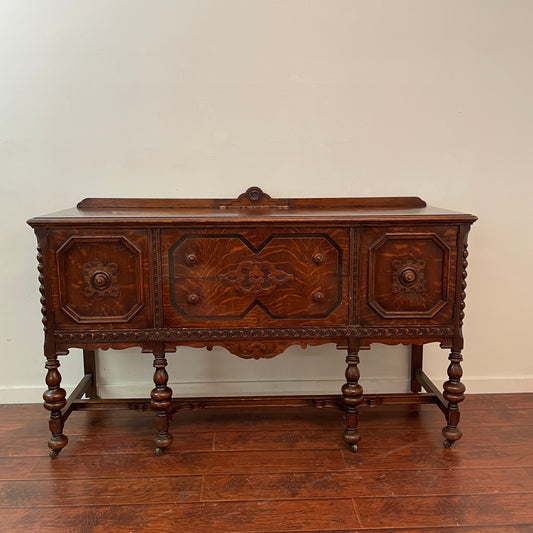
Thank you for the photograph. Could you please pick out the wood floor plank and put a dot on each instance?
(200, 463)
(130, 440)
(488, 401)
(515, 528)
(366, 483)
(104, 443)
(428, 416)
(16, 467)
(474, 510)
(405, 457)
(372, 438)
(261, 516)
(59, 493)
(185, 464)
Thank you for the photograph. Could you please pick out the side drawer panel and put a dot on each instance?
(101, 277)
(407, 275)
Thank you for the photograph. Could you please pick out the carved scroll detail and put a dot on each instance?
(258, 349)
(259, 277)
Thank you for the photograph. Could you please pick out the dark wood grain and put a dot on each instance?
(189, 463)
(429, 511)
(462, 529)
(270, 482)
(100, 492)
(367, 483)
(262, 200)
(263, 516)
(255, 275)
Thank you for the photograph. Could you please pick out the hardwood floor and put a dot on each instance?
(271, 470)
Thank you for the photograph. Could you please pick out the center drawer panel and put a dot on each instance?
(254, 278)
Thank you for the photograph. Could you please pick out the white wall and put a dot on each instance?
(191, 98)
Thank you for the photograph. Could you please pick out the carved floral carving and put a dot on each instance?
(408, 275)
(259, 277)
(100, 280)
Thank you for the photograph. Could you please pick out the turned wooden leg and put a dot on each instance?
(89, 367)
(417, 352)
(453, 394)
(161, 399)
(54, 401)
(352, 395)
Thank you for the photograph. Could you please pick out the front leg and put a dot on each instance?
(454, 393)
(161, 399)
(54, 401)
(352, 396)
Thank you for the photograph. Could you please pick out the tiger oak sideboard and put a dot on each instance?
(255, 275)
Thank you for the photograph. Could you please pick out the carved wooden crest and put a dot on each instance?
(255, 197)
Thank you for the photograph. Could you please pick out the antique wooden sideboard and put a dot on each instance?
(254, 275)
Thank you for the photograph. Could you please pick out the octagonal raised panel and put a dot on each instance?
(408, 275)
(100, 279)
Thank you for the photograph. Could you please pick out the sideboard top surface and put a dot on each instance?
(253, 206)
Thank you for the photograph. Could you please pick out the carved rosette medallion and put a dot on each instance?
(259, 277)
(100, 280)
(408, 275)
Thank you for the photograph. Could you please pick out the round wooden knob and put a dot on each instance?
(318, 296)
(319, 258)
(193, 298)
(408, 276)
(191, 259)
(100, 280)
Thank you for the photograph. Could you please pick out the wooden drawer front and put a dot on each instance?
(102, 278)
(408, 275)
(253, 278)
